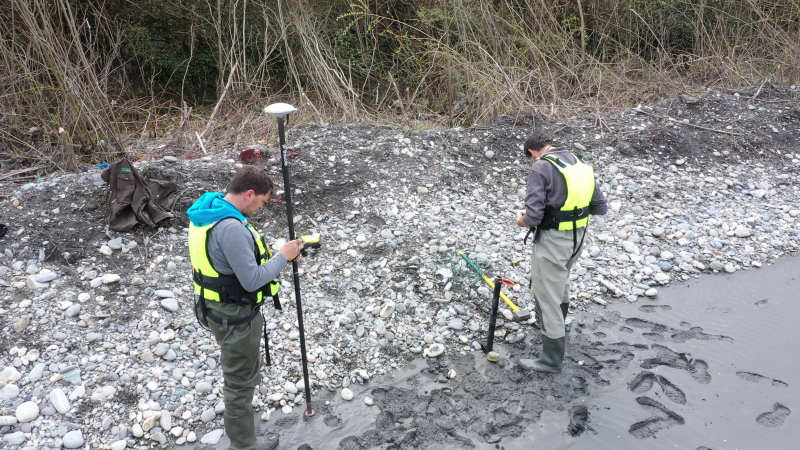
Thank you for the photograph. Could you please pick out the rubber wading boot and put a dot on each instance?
(241, 432)
(261, 443)
(552, 356)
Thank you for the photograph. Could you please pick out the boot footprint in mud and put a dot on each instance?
(578, 420)
(774, 418)
(662, 418)
(699, 370)
(756, 378)
(642, 382)
(667, 357)
(654, 308)
(672, 392)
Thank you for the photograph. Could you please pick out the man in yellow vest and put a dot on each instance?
(561, 194)
(234, 272)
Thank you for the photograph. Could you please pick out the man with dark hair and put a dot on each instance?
(251, 177)
(562, 193)
(234, 271)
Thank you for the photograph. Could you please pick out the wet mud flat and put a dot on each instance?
(710, 364)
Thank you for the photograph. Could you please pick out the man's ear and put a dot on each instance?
(248, 194)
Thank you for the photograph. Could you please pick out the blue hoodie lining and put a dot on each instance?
(212, 207)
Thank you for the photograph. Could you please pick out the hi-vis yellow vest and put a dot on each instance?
(580, 190)
(209, 284)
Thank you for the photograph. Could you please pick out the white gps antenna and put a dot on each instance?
(279, 110)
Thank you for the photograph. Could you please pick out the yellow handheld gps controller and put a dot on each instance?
(309, 241)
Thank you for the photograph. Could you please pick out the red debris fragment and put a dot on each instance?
(250, 154)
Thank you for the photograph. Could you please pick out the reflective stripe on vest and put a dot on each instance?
(201, 262)
(580, 187)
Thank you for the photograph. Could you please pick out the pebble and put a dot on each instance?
(170, 304)
(16, 438)
(434, 350)
(212, 438)
(10, 374)
(9, 392)
(368, 401)
(27, 412)
(21, 325)
(110, 278)
(59, 401)
(347, 394)
(208, 415)
(73, 439)
(456, 324)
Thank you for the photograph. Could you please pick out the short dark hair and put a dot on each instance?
(537, 141)
(251, 177)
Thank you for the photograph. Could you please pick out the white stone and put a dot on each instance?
(387, 310)
(290, 387)
(9, 392)
(166, 421)
(59, 401)
(170, 304)
(287, 409)
(7, 421)
(73, 439)
(368, 401)
(15, 438)
(203, 387)
(106, 250)
(434, 350)
(347, 394)
(10, 374)
(110, 278)
(77, 393)
(27, 412)
(212, 438)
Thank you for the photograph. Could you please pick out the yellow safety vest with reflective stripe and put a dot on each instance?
(580, 189)
(201, 262)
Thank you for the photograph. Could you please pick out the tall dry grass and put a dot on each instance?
(84, 81)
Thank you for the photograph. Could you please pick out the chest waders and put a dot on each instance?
(575, 212)
(210, 285)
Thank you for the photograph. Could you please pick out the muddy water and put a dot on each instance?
(708, 364)
(750, 396)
